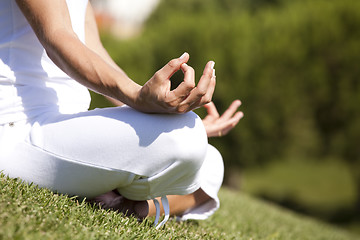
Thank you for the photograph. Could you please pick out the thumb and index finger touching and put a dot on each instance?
(174, 65)
(185, 89)
(188, 83)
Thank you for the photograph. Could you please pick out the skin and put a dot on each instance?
(91, 65)
(216, 125)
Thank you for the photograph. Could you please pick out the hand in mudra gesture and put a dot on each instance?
(216, 125)
(157, 97)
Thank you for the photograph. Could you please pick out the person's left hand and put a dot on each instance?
(216, 125)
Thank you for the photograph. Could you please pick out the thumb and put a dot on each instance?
(211, 110)
(174, 65)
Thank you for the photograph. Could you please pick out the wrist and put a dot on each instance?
(128, 93)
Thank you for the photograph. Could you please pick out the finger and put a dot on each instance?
(185, 87)
(205, 80)
(194, 99)
(235, 119)
(209, 94)
(231, 109)
(172, 66)
(225, 127)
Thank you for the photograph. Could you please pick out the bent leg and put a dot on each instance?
(204, 202)
(143, 156)
(198, 205)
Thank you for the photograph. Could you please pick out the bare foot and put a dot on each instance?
(114, 201)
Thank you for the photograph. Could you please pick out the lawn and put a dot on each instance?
(321, 185)
(322, 189)
(27, 212)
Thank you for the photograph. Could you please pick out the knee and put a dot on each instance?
(212, 170)
(190, 144)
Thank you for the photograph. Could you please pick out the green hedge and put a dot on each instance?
(294, 65)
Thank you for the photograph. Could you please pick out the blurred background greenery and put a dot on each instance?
(295, 66)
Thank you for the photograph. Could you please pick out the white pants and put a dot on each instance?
(87, 154)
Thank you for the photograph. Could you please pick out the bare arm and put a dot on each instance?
(52, 25)
(92, 38)
(93, 42)
(91, 66)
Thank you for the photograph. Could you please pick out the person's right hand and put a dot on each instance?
(157, 97)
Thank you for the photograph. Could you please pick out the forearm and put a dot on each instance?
(90, 69)
(93, 67)
(92, 39)
(52, 24)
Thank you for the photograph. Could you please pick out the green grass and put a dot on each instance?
(315, 184)
(27, 212)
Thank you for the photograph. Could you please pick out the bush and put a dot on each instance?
(293, 64)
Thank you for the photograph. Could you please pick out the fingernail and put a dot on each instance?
(185, 64)
(213, 73)
(212, 64)
(183, 55)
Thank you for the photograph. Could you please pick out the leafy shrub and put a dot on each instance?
(294, 65)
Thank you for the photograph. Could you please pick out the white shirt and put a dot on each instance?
(30, 83)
